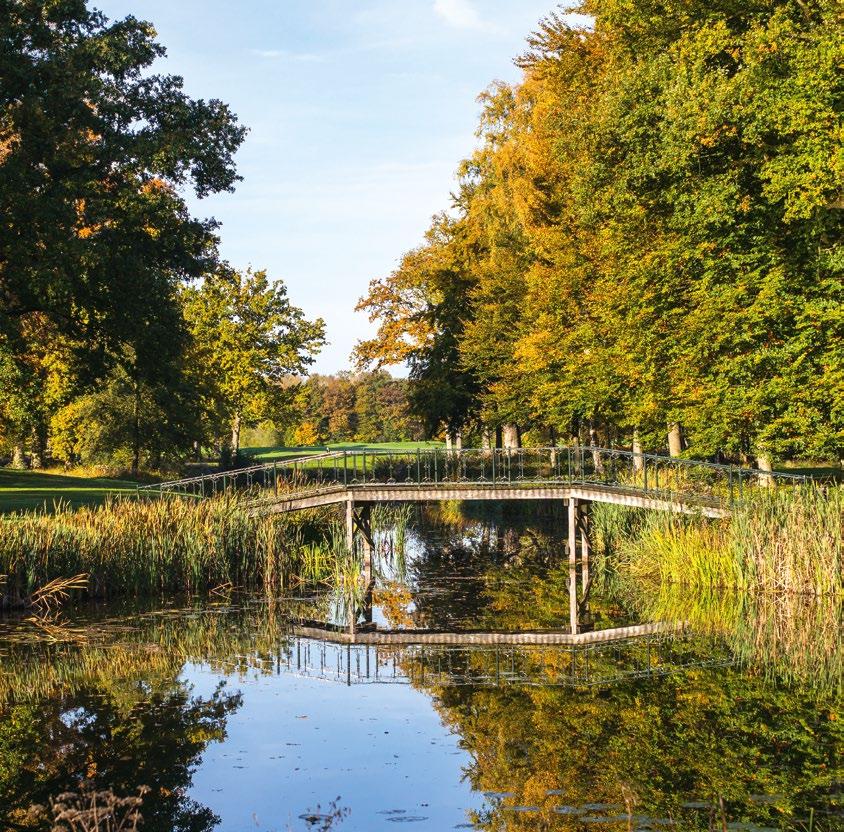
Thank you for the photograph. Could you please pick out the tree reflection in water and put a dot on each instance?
(755, 744)
(109, 742)
(719, 737)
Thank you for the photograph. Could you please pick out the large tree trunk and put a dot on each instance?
(38, 445)
(763, 462)
(18, 458)
(453, 441)
(486, 440)
(235, 434)
(675, 439)
(136, 431)
(638, 459)
(510, 436)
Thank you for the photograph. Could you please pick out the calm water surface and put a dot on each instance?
(243, 715)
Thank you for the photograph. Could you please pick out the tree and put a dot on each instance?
(36, 382)
(422, 309)
(248, 341)
(647, 241)
(90, 147)
(96, 237)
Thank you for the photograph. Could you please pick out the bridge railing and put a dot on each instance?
(641, 473)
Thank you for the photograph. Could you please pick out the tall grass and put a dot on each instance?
(788, 540)
(149, 547)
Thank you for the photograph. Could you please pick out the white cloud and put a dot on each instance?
(460, 13)
(285, 54)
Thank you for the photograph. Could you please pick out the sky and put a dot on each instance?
(359, 112)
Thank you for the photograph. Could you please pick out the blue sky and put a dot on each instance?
(359, 112)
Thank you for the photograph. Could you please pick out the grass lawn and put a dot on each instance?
(21, 490)
(269, 454)
(821, 471)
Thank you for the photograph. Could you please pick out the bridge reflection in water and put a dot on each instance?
(520, 659)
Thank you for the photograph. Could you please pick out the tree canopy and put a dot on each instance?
(123, 337)
(648, 235)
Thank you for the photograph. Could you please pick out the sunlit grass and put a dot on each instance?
(279, 452)
(150, 547)
(25, 490)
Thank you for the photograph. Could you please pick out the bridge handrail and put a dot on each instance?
(576, 460)
(249, 469)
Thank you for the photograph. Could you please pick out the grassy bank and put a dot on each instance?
(768, 579)
(27, 490)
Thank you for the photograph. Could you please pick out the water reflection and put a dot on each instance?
(705, 750)
(117, 738)
(438, 711)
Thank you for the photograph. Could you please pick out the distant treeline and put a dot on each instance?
(362, 407)
(345, 407)
(648, 245)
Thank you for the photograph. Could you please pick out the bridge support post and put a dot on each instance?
(360, 521)
(364, 524)
(572, 530)
(585, 548)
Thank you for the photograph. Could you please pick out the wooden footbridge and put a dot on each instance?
(578, 476)
(582, 473)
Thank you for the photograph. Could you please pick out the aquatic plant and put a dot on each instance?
(150, 547)
(97, 811)
(783, 540)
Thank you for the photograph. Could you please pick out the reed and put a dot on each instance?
(791, 540)
(150, 547)
(777, 540)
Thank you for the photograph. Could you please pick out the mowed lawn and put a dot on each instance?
(269, 454)
(22, 490)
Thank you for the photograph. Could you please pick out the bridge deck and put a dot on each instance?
(428, 475)
(422, 493)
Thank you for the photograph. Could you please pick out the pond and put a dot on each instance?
(454, 697)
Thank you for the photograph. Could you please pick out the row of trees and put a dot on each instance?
(362, 407)
(123, 336)
(648, 239)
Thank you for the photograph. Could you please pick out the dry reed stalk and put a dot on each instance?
(57, 591)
